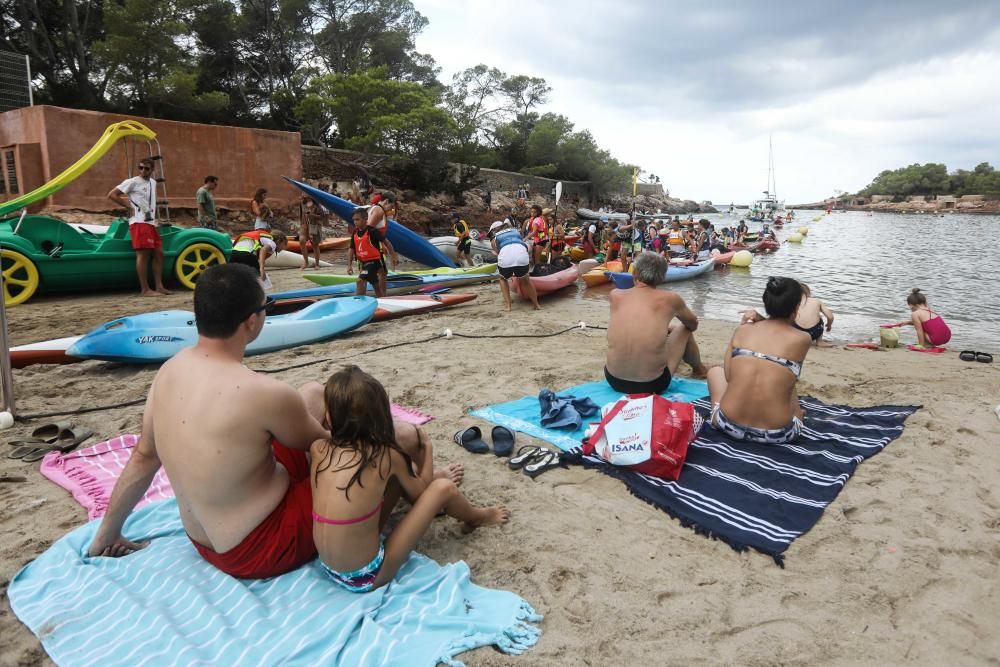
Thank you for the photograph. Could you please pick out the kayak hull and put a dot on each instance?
(156, 337)
(548, 284)
(401, 284)
(481, 251)
(340, 279)
(674, 274)
(404, 241)
(597, 276)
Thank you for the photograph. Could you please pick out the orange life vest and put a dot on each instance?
(364, 249)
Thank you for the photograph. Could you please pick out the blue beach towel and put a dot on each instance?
(524, 414)
(164, 605)
(748, 495)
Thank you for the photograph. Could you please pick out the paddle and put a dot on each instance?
(555, 216)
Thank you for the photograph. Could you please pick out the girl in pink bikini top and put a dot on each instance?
(932, 330)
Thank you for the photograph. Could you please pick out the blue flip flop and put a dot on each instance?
(503, 441)
(472, 439)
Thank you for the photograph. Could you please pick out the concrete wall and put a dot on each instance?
(649, 189)
(243, 159)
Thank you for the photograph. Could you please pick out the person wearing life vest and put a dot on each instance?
(378, 219)
(463, 243)
(512, 261)
(253, 248)
(557, 230)
(366, 243)
(538, 232)
(675, 239)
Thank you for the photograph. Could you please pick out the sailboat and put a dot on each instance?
(768, 207)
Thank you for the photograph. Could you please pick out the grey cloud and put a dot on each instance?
(753, 55)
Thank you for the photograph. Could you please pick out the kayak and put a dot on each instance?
(156, 337)
(340, 279)
(286, 259)
(54, 351)
(326, 245)
(550, 283)
(405, 242)
(674, 274)
(587, 214)
(766, 245)
(482, 251)
(597, 276)
(399, 284)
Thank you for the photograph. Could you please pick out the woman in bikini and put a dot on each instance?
(358, 475)
(753, 393)
(932, 330)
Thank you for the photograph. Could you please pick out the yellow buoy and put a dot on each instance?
(795, 238)
(743, 259)
(804, 231)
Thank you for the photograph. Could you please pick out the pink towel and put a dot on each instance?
(90, 473)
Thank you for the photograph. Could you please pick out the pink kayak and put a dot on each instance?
(551, 283)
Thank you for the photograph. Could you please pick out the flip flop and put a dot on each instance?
(967, 355)
(865, 346)
(472, 440)
(523, 456)
(49, 432)
(984, 357)
(924, 349)
(544, 460)
(68, 440)
(503, 441)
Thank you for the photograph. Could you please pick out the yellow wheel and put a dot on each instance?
(20, 277)
(194, 259)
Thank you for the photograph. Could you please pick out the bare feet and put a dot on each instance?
(149, 292)
(163, 290)
(489, 516)
(453, 471)
(537, 307)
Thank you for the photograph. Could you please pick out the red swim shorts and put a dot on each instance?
(144, 236)
(284, 540)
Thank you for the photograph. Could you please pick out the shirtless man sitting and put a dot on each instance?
(233, 443)
(644, 348)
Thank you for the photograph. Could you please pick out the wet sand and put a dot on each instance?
(903, 567)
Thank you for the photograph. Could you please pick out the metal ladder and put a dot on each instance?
(159, 175)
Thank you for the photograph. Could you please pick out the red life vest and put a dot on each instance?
(255, 236)
(364, 249)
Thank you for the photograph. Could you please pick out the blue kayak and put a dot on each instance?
(394, 286)
(405, 242)
(674, 274)
(155, 337)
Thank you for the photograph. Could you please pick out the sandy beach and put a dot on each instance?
(904, 567)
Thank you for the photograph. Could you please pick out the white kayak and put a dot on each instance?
(482, 251)
(286, 259)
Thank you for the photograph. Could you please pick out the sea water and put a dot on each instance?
(863, 266)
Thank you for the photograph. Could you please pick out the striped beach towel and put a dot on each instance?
(164, 605)
(765, 496)
(750, 496)
(90, 473)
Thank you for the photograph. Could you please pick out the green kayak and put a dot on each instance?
(340, 279)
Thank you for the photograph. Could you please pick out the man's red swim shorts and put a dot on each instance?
(284, 540)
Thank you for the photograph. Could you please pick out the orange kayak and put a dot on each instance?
(596, 276)
(325, 245)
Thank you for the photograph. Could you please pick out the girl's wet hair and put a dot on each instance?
(782, 297)
(916, 298)
(357, 407)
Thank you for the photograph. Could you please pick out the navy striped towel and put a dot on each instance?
(765, 496)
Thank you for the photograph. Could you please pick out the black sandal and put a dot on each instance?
(523, 456)
(544, 460)
(967, 355)
(984, 357)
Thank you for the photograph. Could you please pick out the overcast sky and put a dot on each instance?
(691, 90)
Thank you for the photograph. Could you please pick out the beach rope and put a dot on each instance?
(447, 333)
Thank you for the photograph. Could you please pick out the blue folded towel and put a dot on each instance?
(164, 605)
(564, 411)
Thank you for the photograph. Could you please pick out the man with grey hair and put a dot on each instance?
(644, 346)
